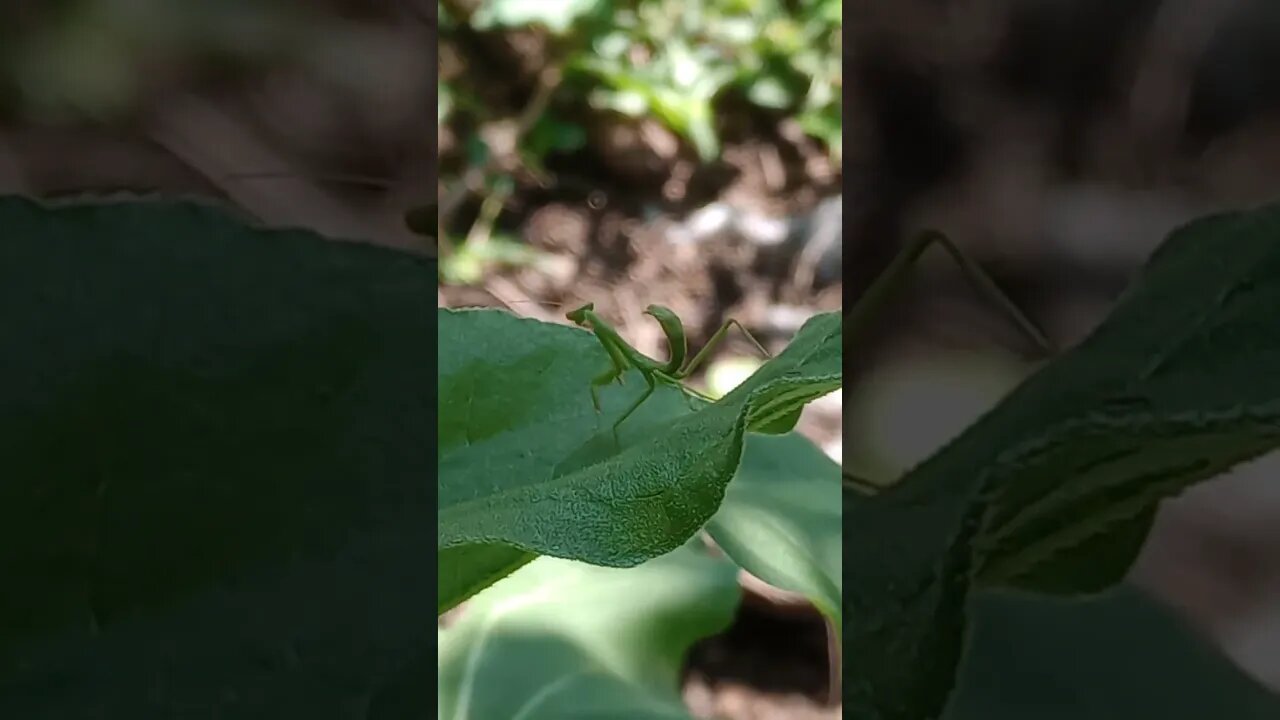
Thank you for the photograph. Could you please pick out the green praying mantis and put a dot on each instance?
(623, 356)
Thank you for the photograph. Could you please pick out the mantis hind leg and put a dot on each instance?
(893, 278)
(716, 338)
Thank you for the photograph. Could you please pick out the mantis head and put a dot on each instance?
(579, 316)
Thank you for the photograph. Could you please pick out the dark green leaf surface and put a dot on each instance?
(1050, 491)
(1118, 656)
(527, 464)
(195, 414)
(328, 639)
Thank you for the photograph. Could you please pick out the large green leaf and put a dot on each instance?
(329, 639)
(561, 639)
(193, 408)
(528, 467)
(780, 519)
(1052, 490)
(1117, 656)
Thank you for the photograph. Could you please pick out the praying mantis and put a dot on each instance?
(623, 356)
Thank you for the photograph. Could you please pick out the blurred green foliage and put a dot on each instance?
(673, 59)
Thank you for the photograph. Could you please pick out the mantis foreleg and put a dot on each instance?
(673, 329)
(617, 368)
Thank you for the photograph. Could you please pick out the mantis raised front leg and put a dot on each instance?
(623, 356)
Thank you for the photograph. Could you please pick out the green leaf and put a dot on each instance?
(527, 463)
(780, 519)
(810, 367)
(771, 91)
(195, 410)
(739, 31)
(1115, 657)
(478, 151)
(826, 126)
(563, 639)
(470, 261)
(1174, 388)
(781, 425)
(444, 103)
(549, 135)
(323, 638)
(611, 45)
(701, 131)
(626, 102)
